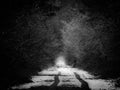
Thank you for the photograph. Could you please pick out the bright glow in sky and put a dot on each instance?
(60, 61)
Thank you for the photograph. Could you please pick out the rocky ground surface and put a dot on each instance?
(65, 78)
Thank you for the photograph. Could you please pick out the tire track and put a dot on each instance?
(84, 85)
(54, 85)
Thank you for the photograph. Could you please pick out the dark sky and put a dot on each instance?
(11, 7)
